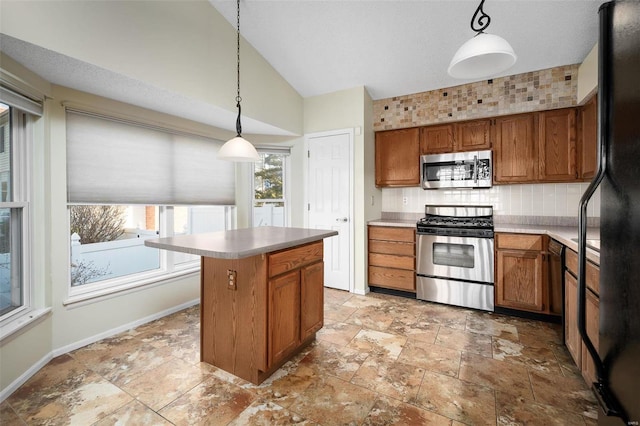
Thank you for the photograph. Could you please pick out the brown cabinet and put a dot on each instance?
(573, 340)
(521, 272)
(436, 139)
(473, 135)
(515, 152)
(557, 145)
(588, 139)
(398, 158)
(464, 136)
(392, 258)
(296, 299)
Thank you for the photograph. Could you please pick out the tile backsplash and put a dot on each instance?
(549, 199)
(532, 91)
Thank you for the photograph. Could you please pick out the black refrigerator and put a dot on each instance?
(618, 357)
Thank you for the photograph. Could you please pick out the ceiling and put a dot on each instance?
(401, 47)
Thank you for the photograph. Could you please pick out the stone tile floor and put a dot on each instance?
(379, 360)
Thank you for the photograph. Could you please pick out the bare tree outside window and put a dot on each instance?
(96, 224)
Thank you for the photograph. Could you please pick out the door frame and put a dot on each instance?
(350, 133)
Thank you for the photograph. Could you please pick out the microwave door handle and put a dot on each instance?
(475, 169)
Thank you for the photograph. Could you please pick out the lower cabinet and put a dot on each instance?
(572, 338)
(296, 299)
(521, 266)
(392, 258)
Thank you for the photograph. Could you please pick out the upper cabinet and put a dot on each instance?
(398, 157)
(557, 145)
(514, 150)
(465, 136)
(473, 135)
(436, 139)
(588, 139)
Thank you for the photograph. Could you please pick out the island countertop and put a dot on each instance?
(240, 243)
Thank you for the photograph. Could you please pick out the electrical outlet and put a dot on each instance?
(232, 276)
(405, 201)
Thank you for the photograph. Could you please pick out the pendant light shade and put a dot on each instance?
(482, 56)
(485, 54)
(238, 149)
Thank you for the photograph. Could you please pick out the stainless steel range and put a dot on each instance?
(455, 256)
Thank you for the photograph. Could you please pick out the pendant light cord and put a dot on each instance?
(480, 23)
(238, 98)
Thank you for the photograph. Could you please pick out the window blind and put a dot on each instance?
(284, 150)
(110, 161)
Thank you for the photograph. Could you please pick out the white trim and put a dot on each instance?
(6, 392)
(20, 321)
(349, 132)
(94, 296)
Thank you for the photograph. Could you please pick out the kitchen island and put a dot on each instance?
(261, 295)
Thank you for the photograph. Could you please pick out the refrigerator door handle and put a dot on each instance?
(607, 400)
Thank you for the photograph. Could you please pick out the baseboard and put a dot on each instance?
(4, 393)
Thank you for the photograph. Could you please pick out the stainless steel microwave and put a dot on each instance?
(456, 170)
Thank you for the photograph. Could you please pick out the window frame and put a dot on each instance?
(168, 268)
(286, 167)
(20, 150)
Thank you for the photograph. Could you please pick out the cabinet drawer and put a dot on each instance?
(592, 274)
(519, 241)
(287, 260)
(406, 235)
(392, 261)
(400, 279)
(392, 247)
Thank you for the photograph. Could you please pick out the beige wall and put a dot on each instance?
(352, 108)
(588, 76)
(108, 34)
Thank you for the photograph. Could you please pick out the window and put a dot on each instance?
(14, 209)
(128, 182)
(269, 188)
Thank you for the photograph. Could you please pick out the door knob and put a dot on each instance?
(342, 219)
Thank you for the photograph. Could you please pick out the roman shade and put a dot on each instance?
(111, 161)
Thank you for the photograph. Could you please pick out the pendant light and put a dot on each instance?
(238, 149)
(485, 54)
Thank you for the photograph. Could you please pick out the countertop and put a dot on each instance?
(562, 234)
(240, 243)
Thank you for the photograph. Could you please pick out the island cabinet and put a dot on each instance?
(392, 258)
(521, 268)
(259, 311)
(573, 340)
(397, 158)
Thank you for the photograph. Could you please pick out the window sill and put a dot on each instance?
(132, 286)
(21, 322)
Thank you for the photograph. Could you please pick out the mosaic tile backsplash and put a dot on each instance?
(533, 91)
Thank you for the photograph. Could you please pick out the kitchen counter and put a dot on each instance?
(261, 295)
(240, 243)
(562, 234)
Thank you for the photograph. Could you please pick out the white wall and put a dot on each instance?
(351, 108)
(147, 40)
(588, 76)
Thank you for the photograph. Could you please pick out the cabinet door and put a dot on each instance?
(284, 315)
(473, 135)
(312, 299)
(557, 145)
(588, 139)
(592, 311)
(398, 157)
(515, 151)
(520, 280)
(436, 139)
(571, 335)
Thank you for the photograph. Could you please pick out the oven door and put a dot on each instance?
(458, 258)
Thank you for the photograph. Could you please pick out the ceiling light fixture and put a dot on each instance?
(238, 149)
(485, 54)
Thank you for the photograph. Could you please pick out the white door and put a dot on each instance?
(329, 202)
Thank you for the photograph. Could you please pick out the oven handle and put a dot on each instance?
(475, 168)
